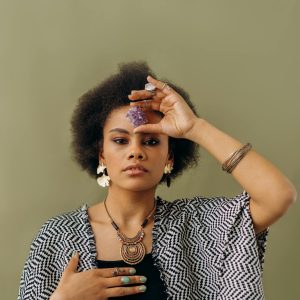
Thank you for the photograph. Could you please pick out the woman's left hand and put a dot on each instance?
(178, 118)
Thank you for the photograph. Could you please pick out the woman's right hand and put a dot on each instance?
(96, 284)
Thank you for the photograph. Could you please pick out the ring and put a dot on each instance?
(164, 85)
(116, 272)
(150, 88)
(146, 104)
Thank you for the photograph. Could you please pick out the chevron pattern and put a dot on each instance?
(205, 249)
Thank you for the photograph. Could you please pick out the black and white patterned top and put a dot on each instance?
(204, 248)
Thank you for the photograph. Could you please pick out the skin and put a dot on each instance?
(121, 148)
(271, 192)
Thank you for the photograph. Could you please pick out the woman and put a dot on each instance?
(135, 245)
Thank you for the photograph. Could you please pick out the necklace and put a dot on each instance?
(132, 249)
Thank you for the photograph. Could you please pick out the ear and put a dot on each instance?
(171, 158)
(100, 155)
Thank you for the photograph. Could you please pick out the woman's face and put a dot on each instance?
(134, 161)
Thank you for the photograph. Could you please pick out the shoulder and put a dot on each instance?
(203, 206)
(50, 251)
(78, 215)
(204, 203)
(71, 220)
(61, 226)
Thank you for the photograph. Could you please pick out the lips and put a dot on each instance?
(135, 169)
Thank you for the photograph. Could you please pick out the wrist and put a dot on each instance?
(197, 131)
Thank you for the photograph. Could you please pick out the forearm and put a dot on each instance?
(267, 186)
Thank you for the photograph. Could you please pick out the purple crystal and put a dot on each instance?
(137, 116)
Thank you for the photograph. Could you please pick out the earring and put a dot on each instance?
(103, 179)
(167, 171)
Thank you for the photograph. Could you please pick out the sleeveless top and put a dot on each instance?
(154, 284)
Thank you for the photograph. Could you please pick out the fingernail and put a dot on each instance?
(125, 279)
(74, 253)
(143, 279)
(133, 92)
(142, 288)
(132, 271)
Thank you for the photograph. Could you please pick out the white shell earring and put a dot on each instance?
(168, 168)
(103, 179)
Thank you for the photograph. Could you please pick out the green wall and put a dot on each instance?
(238, 59)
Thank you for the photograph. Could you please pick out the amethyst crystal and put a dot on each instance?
(137, 116)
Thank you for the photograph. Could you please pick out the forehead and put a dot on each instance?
(117, 118)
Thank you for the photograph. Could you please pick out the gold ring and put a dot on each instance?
(164, 85)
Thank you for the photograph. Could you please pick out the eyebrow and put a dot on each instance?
(121, 130)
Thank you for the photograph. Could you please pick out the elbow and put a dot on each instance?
(292, 195)
(288, 198)
(275, 205)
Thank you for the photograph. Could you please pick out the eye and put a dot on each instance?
(120, 141)
(151, 142)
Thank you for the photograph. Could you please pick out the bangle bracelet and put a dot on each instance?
(233, 160)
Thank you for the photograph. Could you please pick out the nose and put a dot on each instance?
(136, 152)
(136, 155)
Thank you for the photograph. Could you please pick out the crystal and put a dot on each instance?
(150, 87)
(137, 116)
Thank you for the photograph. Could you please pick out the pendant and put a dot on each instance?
(132, 254)
(132, 250)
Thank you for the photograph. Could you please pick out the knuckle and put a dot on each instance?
(89, 274)
(103, 295)
(101, 282)
(123, 291)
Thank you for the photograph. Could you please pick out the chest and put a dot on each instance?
(107, 242)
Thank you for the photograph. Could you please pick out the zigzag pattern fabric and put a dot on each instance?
(205, 249)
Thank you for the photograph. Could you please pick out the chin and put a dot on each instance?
(138, 186)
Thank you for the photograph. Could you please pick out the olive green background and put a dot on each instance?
(239, 60)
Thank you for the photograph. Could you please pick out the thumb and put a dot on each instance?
(73, 263)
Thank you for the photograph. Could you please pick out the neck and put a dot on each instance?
(128, 208)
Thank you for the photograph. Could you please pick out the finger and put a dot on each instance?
(73, 263)
(143, 94)
(160, 85)
(109, 272)
(148, 104)
(124, 291)
(140, 94)
(148, 128)
(124, 280)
